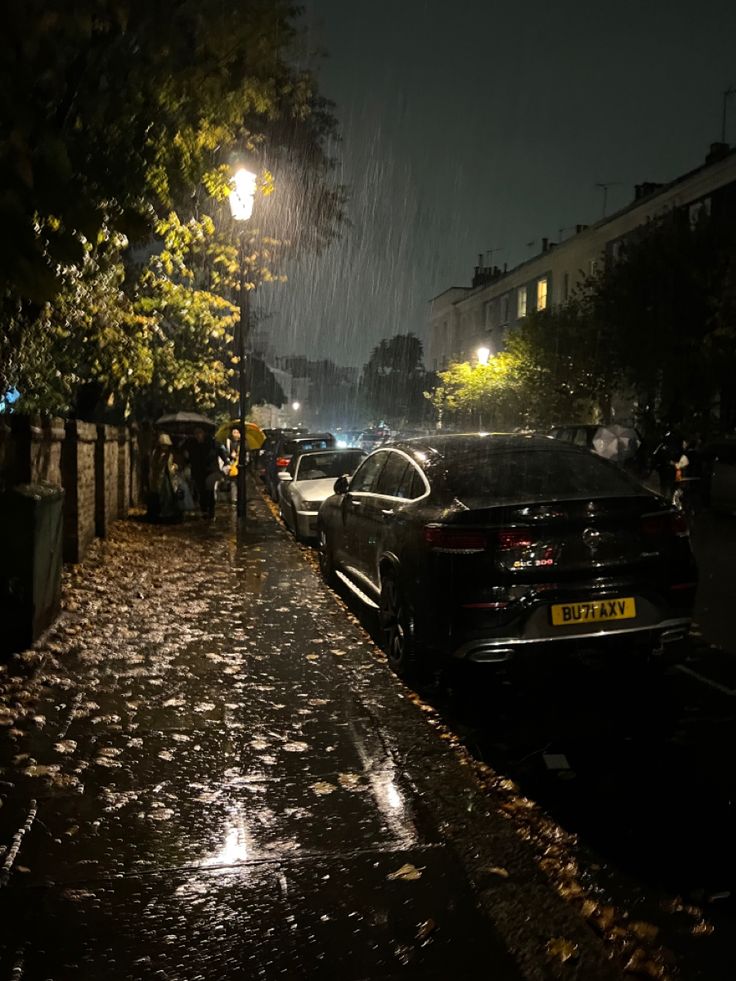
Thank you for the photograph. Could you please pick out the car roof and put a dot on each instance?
(307, 436)
(443, 445)
(331, 449)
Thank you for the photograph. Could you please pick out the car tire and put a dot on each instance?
(397, 627)
(326, 560)
(295, 519)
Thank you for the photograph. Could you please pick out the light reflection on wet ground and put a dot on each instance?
(215, 795)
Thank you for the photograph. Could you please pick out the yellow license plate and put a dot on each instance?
(596, 611)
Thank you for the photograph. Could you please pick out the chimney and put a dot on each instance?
(545, 244)
(480, 260)
(645, 189)
(717, 152)
(580, 228)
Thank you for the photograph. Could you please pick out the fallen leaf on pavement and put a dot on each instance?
(295, 747)
(497, 870)
(644, 931)
(561, 949)
(407, 873)
(425, 930)
(323, 787)
(65, 746)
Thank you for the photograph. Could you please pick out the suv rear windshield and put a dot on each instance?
(481, 475)
(305, 445)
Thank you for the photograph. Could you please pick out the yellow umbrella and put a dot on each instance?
(254, 435)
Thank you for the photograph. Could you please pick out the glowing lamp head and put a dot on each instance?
(483, 354)
(296, 406)
(242, 194)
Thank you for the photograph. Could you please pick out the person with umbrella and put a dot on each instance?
(204, 460)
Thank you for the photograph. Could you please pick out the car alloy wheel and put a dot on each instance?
(326, 560)
(397, 628)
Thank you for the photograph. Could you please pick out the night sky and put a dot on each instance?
(476, 125)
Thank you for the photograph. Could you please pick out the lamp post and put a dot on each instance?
(241, 208)
(483, 355)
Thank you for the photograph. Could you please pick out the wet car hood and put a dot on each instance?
(315, 490)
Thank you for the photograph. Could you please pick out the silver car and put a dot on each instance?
(307, 481)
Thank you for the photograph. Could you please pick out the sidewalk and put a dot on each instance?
(211, 775)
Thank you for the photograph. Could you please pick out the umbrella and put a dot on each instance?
(184, 421)
(617, 443)
(254, 435)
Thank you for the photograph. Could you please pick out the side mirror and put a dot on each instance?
(342, 485)
(284, 475)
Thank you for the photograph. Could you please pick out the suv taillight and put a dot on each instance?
(514, 538)
(283, 461)
(665, 525)
(446, 538)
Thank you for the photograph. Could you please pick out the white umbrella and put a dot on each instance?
(617, 443)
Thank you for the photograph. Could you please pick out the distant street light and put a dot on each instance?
(241, 208)
(483, 354)
(296, 406)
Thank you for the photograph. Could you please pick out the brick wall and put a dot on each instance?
(123, 490)
(78, 477)
(106, 479)
(101, 469)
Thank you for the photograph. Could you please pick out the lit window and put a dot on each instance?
(542, 294)
(521, 302)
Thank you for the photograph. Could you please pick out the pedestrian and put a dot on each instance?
(204, 456)
(231, 462)
(162, 504)
(664, 459)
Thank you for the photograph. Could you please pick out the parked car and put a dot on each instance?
(307, 481)
(486, 546)
(371, 438)
(348, 438)
(268, 450)
(287, 446)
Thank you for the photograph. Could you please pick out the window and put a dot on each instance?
(488, 313)
(593, 267)
(542, 293)
(505, 309)
(417, 486)
(521, 303)
(698, 211)
(565, 286)
(366, 475)
(392, 475)
(412, 485)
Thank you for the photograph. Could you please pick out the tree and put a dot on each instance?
(121, 119)
(394, 380)
(664, 304)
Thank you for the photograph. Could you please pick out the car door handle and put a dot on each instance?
(387, 512)
(355, 504)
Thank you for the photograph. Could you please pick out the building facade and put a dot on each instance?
(464, 318)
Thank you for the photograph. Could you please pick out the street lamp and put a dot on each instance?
(241, 207)
(483, 354)
(296, 406)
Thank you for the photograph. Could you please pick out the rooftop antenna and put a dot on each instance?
(489, 254)
(604, 185)
(731, 90)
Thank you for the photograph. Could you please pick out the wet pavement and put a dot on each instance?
(207, 771)
(636, 762)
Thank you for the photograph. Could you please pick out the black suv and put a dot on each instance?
(484, 546)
